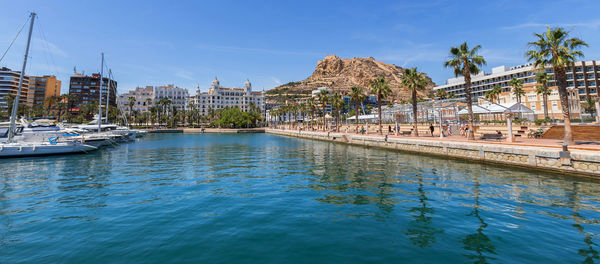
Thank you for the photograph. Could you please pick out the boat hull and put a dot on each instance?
(12, 151)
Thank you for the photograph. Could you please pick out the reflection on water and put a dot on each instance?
(267, 198)
(478, 242)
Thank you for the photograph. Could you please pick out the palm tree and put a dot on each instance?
(414, 81)
(148, 103)
(381, 88)
(441, 94)
(492, 95)
(543, 78)
(465, 62)
(358, 96)
(50, 103)
(311, 105)
(337, 101)
(324, 99)
(517, 88)
(555, 48)
(131, 103)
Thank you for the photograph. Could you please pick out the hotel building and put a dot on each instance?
(178, 96)
(42, 87)
(9, 84)
(582, 83)
(146, 97)
(143, 99)
(86, 89)
(219, 97)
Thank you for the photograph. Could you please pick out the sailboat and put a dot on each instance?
(14, 148)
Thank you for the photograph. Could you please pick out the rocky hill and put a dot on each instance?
(339, 75)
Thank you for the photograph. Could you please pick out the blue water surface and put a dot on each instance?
(259, 198)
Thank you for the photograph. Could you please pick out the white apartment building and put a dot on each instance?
(582, 81)
(219, 97)
(148, 96)
(143, 99)
(178, 96)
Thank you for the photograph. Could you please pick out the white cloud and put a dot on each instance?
(255, 50)
(184, 75)
(275, 80)
(593, 24)
(46, 46)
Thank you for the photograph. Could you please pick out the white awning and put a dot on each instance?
(364, 117)
(497, 108)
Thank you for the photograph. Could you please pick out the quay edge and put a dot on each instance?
(584, 163)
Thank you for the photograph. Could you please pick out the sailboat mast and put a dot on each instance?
(108, 93)
(13, 116)
(100, 95)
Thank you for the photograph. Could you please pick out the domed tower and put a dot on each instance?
(214, 86)
(248, 87)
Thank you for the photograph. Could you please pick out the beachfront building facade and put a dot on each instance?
(219, 97)
(42, 87)
(143, 98)
(85, 89)
(582, 82)
(9, 84)
(178, 97)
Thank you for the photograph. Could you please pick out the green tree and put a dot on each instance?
(556, 49)
(381, 88)
(324, 100)
(517, 90)
(337, 101)
(131, 104)
(441, 94)
(543, 78)
(357, 95)
(492, 95)
(465, 62)
(414, 81)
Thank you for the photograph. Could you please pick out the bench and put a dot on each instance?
(495, 136)
(406, 133)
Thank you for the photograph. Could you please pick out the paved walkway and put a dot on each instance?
(595, 146)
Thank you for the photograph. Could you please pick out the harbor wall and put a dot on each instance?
(580, 162)
(224, 130)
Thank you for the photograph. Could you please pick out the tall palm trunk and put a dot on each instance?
(379, 107)
(561, 79)
(356, 117)
(545, 97)
(414, 106)
(467, 76)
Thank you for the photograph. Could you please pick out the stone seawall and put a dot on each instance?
(581, 162)
(224, 130)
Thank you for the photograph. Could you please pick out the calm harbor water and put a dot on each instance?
(210, 198)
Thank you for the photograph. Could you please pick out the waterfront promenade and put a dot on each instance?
(538, 154)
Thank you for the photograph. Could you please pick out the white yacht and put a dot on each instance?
(25, 149)
(14, 148)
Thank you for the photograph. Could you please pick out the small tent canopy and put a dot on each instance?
(497, 108)
(363, 117)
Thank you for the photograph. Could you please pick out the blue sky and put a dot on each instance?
(188, 43)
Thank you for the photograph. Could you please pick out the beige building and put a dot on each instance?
(42, 87)
(582, 81)
(143, 99)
